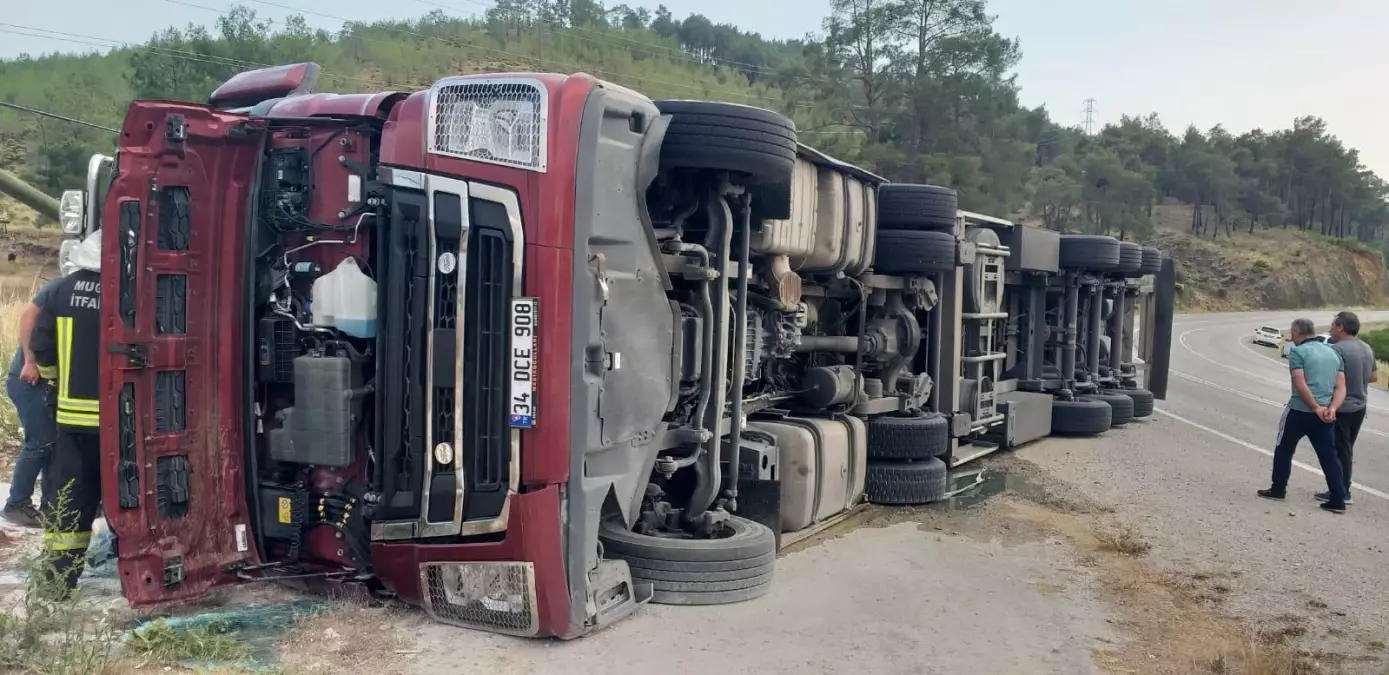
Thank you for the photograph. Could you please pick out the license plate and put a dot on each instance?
(525, 324)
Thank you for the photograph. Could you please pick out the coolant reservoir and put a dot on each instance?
(346, 299)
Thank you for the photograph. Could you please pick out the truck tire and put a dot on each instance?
(921, 437)
(905, 206)
(755, 142)
(1142, 402)
(1152, 260)
(906, 252)
(1080, 417)
(1093, 253)
(1130, 259)
(908, 482)
(770, 202)
(1120, 406)
(688, 571)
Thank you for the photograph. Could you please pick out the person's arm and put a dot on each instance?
(1340, 396)
(1304, 392)
(1374, 368)
(27, 321)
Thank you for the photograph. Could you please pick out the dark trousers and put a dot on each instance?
(1347, 430)
(71, 498)
(1296, 425)
(33, 405)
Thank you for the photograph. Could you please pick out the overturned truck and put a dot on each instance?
(530, 350)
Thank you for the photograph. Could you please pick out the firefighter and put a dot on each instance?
(67, 347)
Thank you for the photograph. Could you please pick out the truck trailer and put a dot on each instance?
(531, 350)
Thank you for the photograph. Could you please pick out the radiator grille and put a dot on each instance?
(485, 345)
(498, 597)
(128, 475)
(499, 122)
(129, 241)
(445, 325)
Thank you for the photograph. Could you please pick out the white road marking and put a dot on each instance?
(1250, 348)
(1263, 451)
(1252, 397)
(1181, 339)
(1187, 346)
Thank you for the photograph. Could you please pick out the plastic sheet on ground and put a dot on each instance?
(260, 626)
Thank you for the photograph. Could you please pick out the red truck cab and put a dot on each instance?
(530, 350)
(436, 438)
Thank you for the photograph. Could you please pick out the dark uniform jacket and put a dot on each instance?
(67, 346)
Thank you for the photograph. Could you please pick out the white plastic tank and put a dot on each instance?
(346, 299)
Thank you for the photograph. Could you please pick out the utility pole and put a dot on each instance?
(1089, 116)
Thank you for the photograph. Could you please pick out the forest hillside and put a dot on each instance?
(916, 90)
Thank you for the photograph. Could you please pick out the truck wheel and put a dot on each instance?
(901, 483)
(906, 252)
(921, 437)
(1120, 406)
(742, 139)
(905, 206)
(1094, 253)
(687, 571)
(770, 202)
(1142, 401)
(1080, 417)
(1130, 259)
(1152, 260)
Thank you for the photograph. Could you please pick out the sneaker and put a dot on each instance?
(1333, 507)
(1275, 495)
(1326, 496)
(23, 514)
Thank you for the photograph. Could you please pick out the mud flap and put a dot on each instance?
(1164, 301)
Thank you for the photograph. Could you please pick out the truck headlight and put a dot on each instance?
(494, 120)
(71, 209)
(65, 266)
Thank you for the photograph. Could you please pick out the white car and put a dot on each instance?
(1267, 336)
(1288, 344)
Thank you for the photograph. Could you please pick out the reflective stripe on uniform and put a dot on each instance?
(78, 404)
(64, 355)
(78, 419)
(67, 541)
(48, 372)
(73, 412)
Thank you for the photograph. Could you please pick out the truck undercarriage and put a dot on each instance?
(531, 350)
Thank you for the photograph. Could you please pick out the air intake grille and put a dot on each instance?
(498, 597)
(485, 344)
(494, 121)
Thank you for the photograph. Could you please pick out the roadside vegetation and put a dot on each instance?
(917, 90)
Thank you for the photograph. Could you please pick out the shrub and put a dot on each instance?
(1378, 341)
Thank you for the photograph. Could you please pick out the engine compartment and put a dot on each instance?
(314, 308)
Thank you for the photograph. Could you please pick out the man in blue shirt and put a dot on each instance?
(30, 396)
(1319, 389)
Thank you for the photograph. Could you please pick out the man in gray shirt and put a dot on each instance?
(1361, 369)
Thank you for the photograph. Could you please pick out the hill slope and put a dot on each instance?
(1271, 269)
(943, 109)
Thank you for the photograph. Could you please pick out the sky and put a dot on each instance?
(1244, 64)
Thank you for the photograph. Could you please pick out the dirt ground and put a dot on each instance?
(1022, 576)
(1026, 577)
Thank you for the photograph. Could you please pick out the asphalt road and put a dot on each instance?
(1187, 478)
(1221, 380)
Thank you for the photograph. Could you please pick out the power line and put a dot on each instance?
(1089, 116)
(63, 118)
